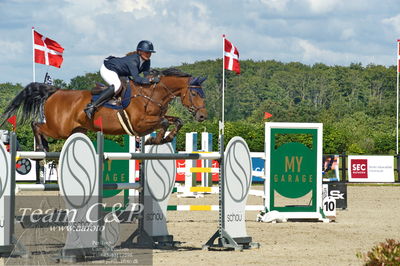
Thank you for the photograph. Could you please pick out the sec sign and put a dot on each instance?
(359, 168)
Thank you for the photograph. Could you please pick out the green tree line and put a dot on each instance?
(356, 104)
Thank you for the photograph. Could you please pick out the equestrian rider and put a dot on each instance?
(132, 65)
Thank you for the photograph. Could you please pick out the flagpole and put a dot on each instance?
(33, 53)
(33, 71)
(223, 84)
(397, 98)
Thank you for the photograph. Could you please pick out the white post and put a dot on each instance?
(33, 71)
(133, 194)
(190, 146)
(397, 98)
(223, 85)
(33, 53)
(206, 145)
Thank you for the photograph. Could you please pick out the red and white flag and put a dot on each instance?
(231, 57)
(47, 51)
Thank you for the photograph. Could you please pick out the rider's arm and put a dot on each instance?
(146, 68)
(146, 72)
(134, 72)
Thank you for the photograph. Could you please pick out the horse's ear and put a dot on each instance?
(193, 81)
(201, 80)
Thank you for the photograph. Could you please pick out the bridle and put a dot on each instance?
(192, 108)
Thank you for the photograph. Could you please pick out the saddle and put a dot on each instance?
(120, 100)
(99, 88)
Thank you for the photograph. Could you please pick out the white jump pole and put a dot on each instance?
(206, 146)
(190, 146)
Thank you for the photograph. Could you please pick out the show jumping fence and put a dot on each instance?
(81, 185)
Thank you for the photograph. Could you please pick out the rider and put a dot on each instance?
(132, 65)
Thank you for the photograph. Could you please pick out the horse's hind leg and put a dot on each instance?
(41, 143)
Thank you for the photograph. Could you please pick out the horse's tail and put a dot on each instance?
(31, 99)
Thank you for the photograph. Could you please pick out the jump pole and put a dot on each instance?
(56, 187)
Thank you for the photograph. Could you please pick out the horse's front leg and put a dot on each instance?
(172, 120)
(164, 124)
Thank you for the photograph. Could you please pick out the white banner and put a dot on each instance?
(370, 168)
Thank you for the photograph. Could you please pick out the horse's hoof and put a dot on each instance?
(89, 113)
(168, 139)
(149, 141)
(163, 141)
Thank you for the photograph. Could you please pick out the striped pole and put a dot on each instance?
(56, 187)
(160, 156)
(38, 155)
(37, 187)
(214, 190)
(209, 208)
(126, 156)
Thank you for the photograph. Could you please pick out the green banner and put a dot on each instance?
(294, 165)
(115, 171)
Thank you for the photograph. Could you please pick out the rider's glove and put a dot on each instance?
(154, 79)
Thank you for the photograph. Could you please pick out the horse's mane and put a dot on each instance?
(169, 72)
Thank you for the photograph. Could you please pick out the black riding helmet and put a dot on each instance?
(145, 46)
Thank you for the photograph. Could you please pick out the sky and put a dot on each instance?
(332, 32)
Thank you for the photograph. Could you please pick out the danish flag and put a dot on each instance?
(47, 51)
(231, 57)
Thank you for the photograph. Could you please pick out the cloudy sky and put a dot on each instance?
(333, 32)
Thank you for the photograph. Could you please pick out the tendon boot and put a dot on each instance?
(103, 97)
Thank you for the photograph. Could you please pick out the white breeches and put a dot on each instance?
(110, 77)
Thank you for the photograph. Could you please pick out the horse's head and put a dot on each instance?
(193, 98)
(176, 83)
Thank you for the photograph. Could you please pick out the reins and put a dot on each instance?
(163, 106)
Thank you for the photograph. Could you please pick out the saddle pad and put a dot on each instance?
(126, 100)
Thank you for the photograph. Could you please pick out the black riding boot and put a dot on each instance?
(104, 96)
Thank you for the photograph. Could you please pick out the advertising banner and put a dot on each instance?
(370, 168)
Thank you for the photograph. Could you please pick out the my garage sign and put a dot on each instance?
(370, 168)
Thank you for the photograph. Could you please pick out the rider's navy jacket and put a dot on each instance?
(129, 66)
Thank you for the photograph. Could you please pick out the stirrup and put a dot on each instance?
(90, 110)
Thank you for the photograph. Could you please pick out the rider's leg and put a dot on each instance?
(103, 97)
(111, 78)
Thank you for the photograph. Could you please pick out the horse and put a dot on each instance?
(147, 111)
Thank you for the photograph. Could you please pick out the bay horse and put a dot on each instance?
(147, 111)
